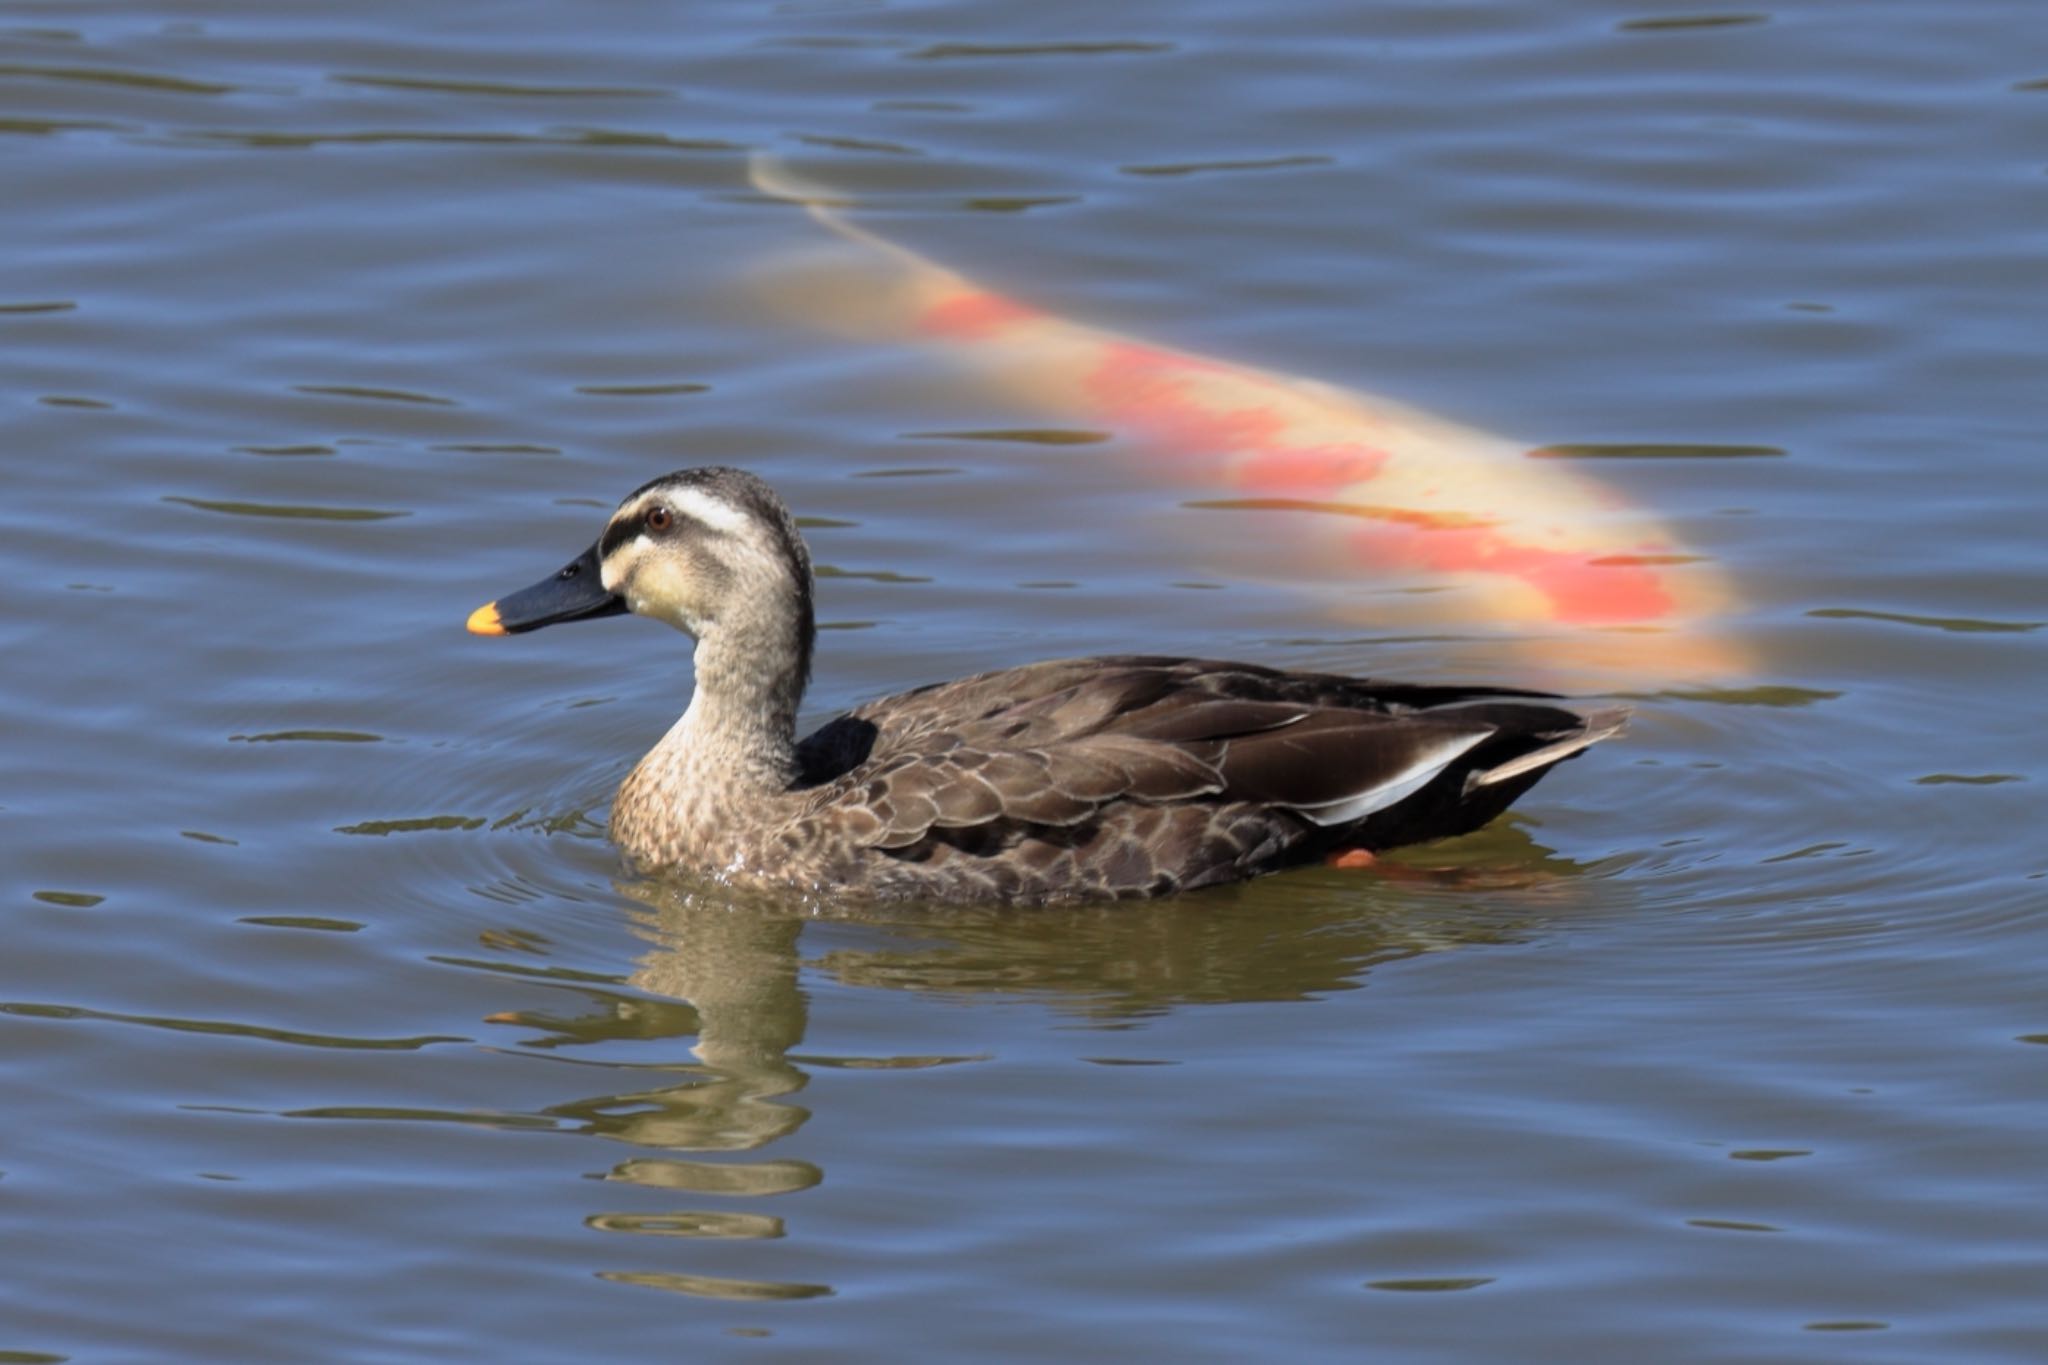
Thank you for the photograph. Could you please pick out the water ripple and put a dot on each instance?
(500, 89)
(714, 1287)
(1267, 163)
(288, 511)
(1960, 625)
(294, 1037)
(976, 51)
(140, 80)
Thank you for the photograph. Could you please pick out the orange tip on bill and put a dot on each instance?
(484, 620)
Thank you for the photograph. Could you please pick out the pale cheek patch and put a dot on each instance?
(617, 566)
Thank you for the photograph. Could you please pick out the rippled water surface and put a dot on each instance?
(330, 1027)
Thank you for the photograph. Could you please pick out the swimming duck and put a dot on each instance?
(1072, 779)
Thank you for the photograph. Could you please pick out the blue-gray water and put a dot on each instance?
(329, 1029)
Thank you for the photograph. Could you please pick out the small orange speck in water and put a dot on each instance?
(484, 620)
(1351, 860)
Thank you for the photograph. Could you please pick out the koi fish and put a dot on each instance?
(1496, 536)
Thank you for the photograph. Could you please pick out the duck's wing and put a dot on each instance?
(960, 777)
(1076, 694)
(1067, 743)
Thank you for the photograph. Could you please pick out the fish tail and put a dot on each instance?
(772, 176)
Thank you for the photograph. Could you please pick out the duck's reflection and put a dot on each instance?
(729, 973)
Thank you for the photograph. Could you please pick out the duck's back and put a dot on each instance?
(1138, 775)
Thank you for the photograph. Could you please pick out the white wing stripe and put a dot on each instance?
(1397, 788)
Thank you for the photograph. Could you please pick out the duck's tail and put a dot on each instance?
(1602, 724)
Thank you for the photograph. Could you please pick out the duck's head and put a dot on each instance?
(710, 551)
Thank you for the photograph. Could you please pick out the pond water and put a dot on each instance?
(331, 1027)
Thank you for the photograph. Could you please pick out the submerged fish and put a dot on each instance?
(1502, 538)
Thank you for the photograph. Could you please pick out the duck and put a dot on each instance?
(1109, 777)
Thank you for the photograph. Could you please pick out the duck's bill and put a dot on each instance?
(576, 593)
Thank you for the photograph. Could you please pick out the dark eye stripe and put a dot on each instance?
(619, 532)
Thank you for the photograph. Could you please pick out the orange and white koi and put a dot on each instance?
(1502, 537)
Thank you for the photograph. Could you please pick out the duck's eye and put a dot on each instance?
(658, 518)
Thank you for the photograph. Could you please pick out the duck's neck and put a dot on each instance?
(739, 733)
(692, 798)
(738, 737)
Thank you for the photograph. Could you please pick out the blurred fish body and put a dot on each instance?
(1491, 535)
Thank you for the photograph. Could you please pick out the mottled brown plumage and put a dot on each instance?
(1117, 776)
